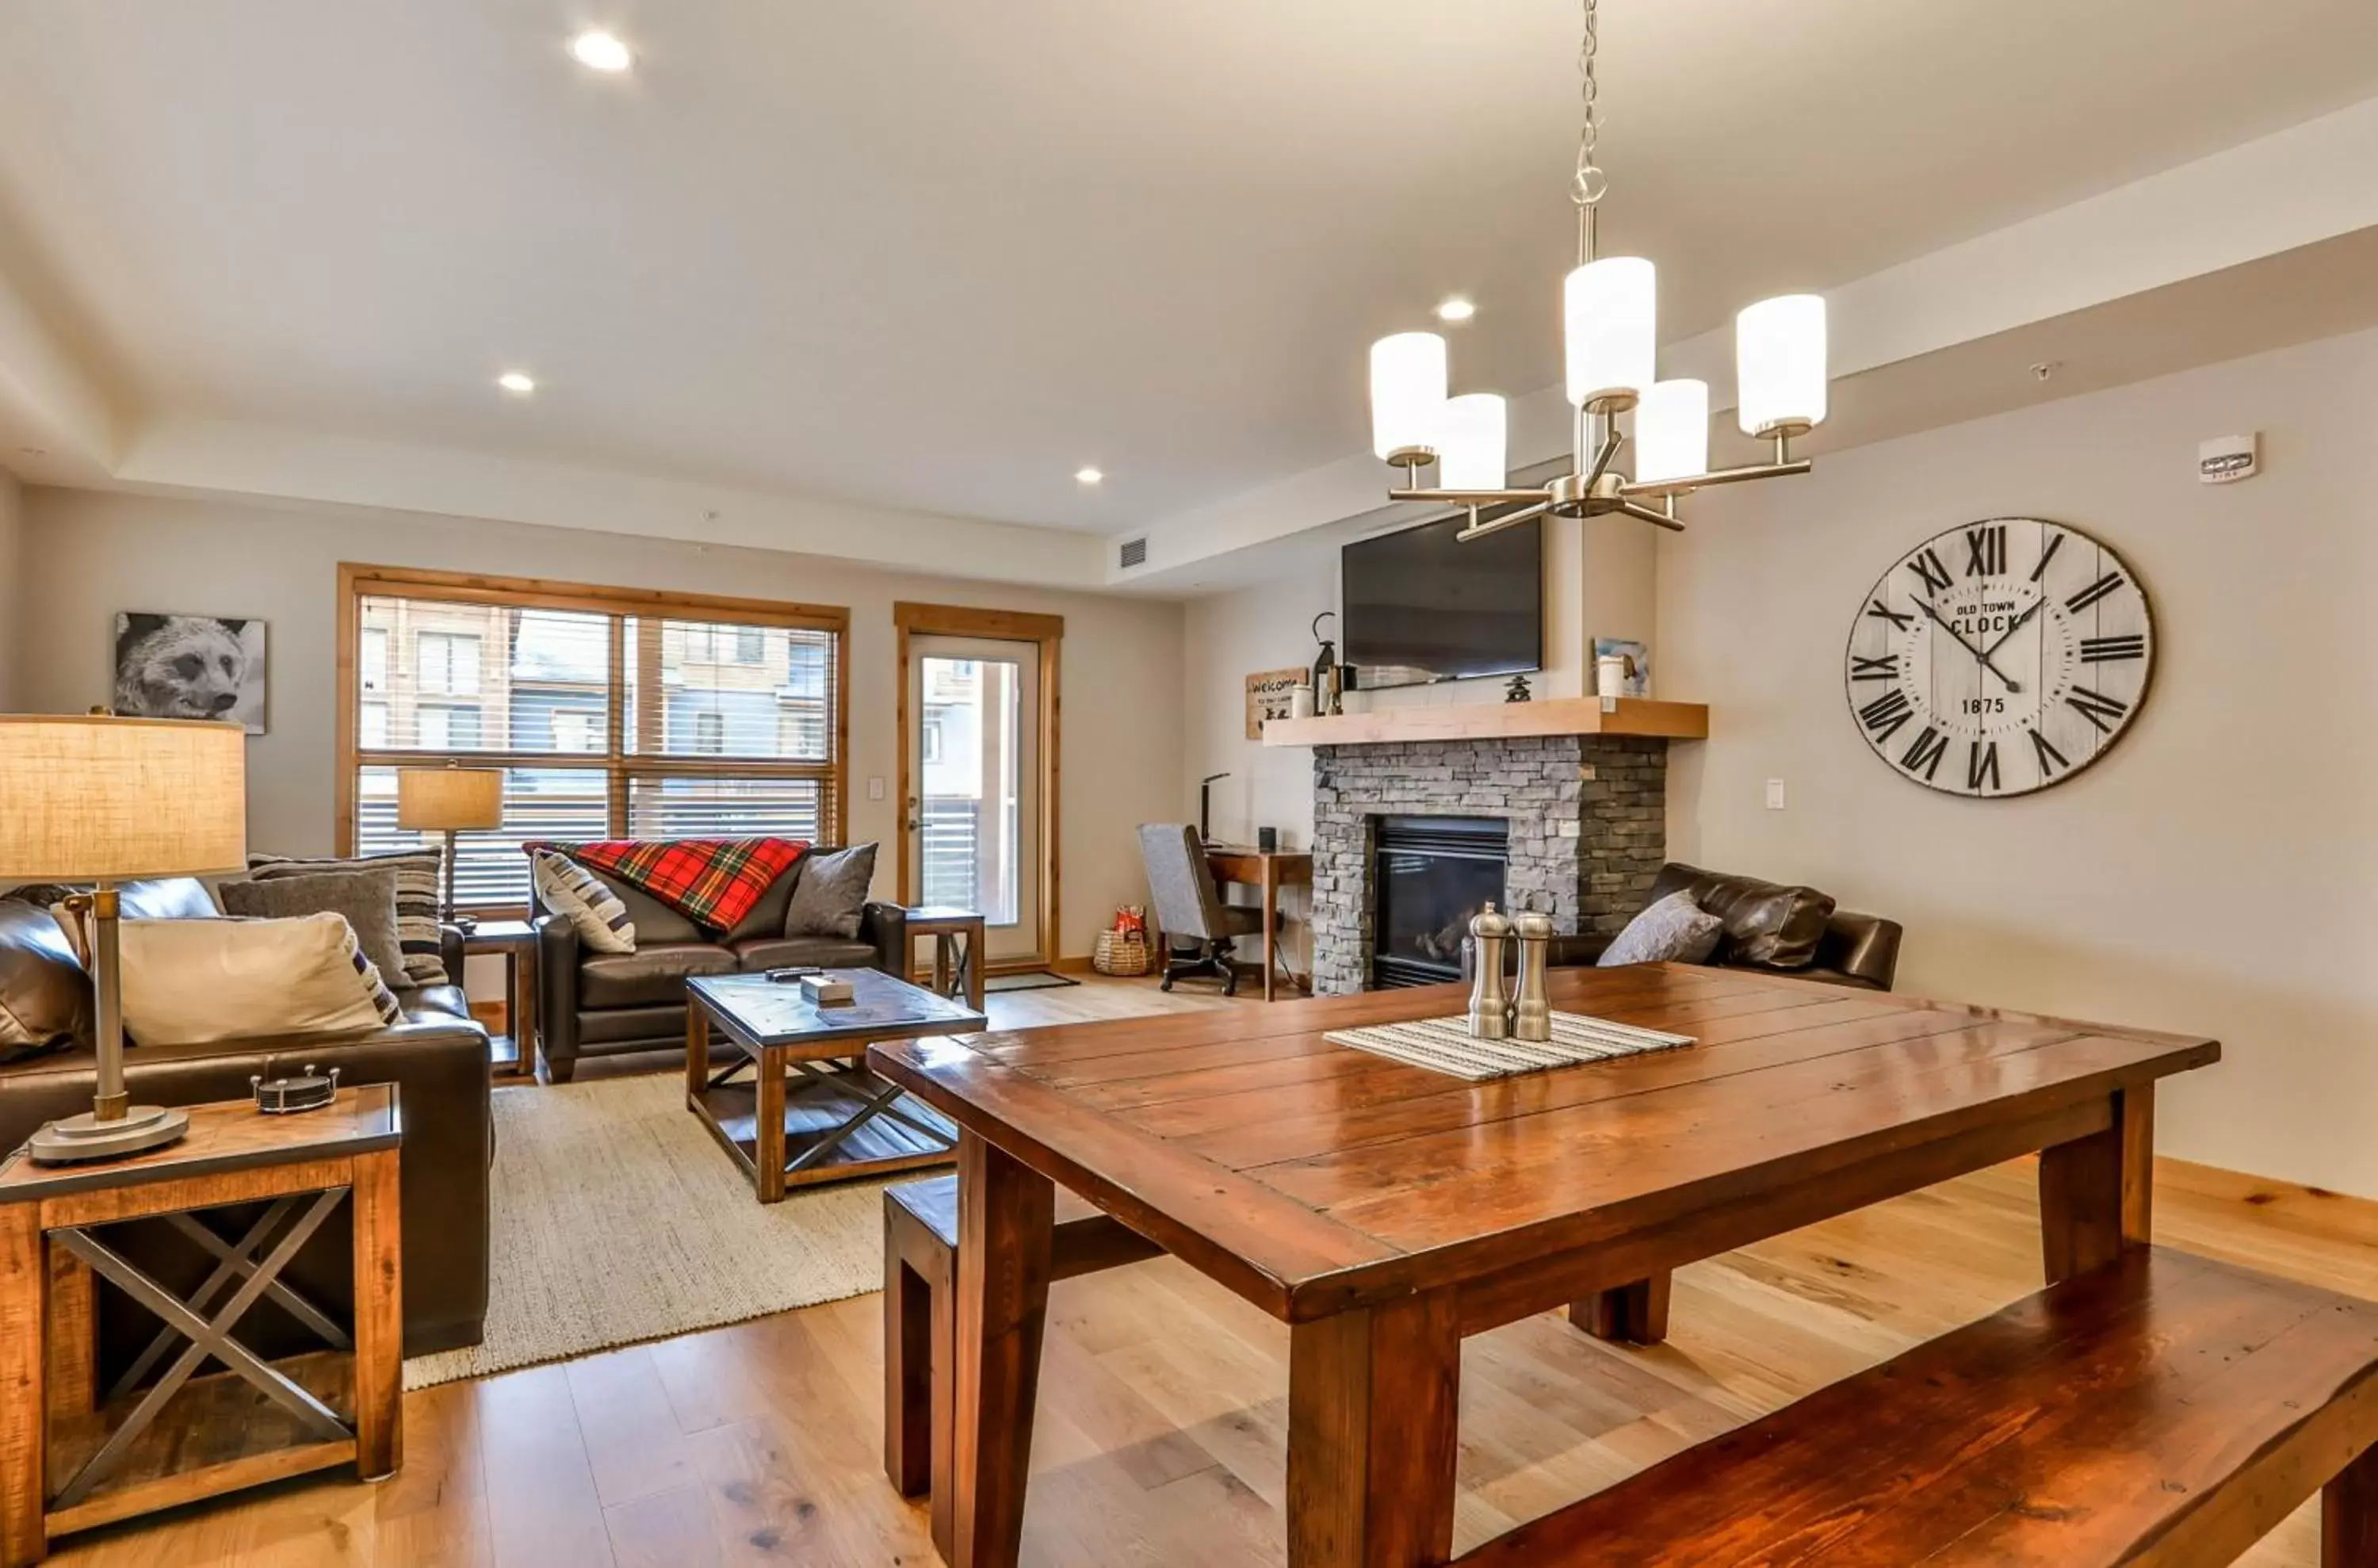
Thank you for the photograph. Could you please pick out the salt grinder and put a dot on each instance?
(1532, 1010)
(1489, 1017)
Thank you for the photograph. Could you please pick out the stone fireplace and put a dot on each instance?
(1584, 829)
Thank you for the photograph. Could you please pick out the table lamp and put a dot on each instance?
(450, 800)
(104, 800)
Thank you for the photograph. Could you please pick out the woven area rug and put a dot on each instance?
(616, 1218)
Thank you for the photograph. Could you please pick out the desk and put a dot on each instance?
(1384, 1212)
(1270, 870)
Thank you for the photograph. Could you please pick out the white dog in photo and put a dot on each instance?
(190, 667)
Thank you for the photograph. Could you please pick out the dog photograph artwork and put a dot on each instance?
(190, 667)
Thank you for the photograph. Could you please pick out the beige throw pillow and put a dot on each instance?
(195, 981)
(585, 900)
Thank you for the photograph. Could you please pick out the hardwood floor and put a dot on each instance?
(1164, 1398)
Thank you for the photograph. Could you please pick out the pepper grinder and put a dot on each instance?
(1532, 1010)
(1489, 1012)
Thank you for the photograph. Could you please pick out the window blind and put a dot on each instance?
(670, 720)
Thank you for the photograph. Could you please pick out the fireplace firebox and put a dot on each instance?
(1431, 874)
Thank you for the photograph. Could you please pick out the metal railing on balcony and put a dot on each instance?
(953, 864)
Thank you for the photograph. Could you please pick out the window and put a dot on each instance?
(613, 713)
(448, 663)
(448, 728)
(573, 730)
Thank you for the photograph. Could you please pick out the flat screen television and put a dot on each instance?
(1420, 606)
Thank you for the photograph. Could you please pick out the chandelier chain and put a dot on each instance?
(1589, 184)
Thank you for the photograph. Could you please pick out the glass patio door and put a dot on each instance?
(974, 808)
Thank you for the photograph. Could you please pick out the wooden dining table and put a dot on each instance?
(1386, 1211)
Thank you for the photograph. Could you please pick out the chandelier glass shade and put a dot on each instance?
(1611, 337)
(1473, 453)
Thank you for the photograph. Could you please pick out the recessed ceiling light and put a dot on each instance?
(517, 383)
(1456, 309)
(599, 51)
(1090, 475)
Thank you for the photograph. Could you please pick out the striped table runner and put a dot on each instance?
(1445, 1045)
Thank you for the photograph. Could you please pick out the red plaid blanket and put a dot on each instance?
(711, 882)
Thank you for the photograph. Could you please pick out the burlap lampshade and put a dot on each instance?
(94, 799)
(450, 800)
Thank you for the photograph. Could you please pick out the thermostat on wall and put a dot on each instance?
(2224, 460)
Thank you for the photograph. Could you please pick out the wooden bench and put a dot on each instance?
(920, 1245)
(2162, 1409)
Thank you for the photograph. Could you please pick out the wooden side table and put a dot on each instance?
(73, 1456)
(957, 950)
(515, 942)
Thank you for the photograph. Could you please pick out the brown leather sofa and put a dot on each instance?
(593, 1004)
(1860, 951)
(436, 1056)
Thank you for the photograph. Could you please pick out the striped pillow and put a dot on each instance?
(576, 894)
(418, 904)
(383, 1000)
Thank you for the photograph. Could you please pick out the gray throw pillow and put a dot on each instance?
(368, 900)
(832, 890)
(1674, 930)
(417, 902)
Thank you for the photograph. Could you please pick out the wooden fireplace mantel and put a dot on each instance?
(1488, 721)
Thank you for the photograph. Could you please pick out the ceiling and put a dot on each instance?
(935, 257)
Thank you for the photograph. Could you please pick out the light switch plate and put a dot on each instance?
(875, 787)
(1775, 794)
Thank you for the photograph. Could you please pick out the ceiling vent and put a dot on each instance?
(1133, 553)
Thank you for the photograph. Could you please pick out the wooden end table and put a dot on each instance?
(73, 1456)
(957, 949)
(514, 941)
(838, 1119)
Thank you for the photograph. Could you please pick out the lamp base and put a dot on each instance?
(86, 1137)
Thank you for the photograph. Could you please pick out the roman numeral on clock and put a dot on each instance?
(1929, 567)
(1884, 716)
(1925, 751)
(2047, 555)
(2097, 707)
(1982, 766)
(2093, 592)
(1985, 550)
(2051, 761)
(1883, 668)
(1881, 612)
(2104, 650)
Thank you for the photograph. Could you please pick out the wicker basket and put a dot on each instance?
(1121, 954)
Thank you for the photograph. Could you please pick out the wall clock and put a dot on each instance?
(2000, 657)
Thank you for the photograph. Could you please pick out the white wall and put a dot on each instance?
(89, 554)
(12, 570)
(2218, 872)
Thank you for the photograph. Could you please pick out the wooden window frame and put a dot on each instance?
(619, 764)
(1006, 626)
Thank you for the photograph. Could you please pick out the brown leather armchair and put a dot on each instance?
(1859, 951)
(436, 1056)
(593, 1004)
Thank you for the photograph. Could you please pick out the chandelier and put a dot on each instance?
(1610, 307)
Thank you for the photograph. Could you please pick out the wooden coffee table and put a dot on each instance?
(798, 1104)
